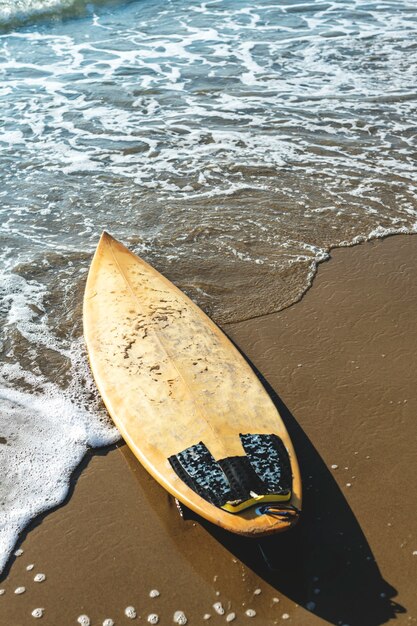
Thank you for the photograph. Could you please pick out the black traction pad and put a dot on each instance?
(264, 470)
(269, 458)
(198, 469)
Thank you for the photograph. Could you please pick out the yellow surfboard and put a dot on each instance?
(185, 400)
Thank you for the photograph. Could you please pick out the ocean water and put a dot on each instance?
(230, 143)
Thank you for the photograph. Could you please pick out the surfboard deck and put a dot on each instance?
(170, 379)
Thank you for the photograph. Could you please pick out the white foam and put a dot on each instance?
(47, 433)
(37, 613)
(218, 607)
(130, 612)
(15, 12)
(180, 618)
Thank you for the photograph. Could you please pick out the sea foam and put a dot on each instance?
(44, 437)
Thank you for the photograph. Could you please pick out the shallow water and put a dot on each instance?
(229, 143)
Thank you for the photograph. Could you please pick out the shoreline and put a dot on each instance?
(339, 364)
(313, 272)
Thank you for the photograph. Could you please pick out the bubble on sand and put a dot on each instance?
(84, 620)
(250, 612)
(218, 607)
(348, 484)
(18, 552)
(275, 600)
(285, 616)
(230, 617)
(130, 612)
(108, 622)
(39, 578)
(334, 466)
(19, 590)
(257, 592)
(37, 613)
(415, 553)
(206, 616)
(154, 593)
(153, 618)
(179, 618)
(30, 567)
(2, 592)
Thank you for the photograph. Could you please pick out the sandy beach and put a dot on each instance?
(341, 366)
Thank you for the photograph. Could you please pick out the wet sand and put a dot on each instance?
(341, 367)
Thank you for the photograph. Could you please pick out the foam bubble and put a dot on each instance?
(39, 578)
(218, 607)
(180, 618)
(153, 618)
(230, 617)
(37, 613)
(19, 590)
(130, 612)
(154, 593)
(250, 612)
(108, 622)
(84, 620)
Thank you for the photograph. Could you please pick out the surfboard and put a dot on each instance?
(185, 400)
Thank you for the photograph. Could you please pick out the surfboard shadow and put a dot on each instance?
(325, 563)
